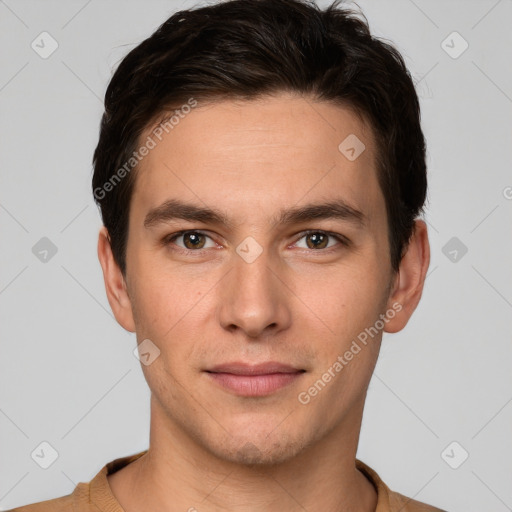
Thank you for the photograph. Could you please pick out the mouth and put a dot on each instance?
(251, 380)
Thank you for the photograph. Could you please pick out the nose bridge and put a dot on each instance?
(252, 297)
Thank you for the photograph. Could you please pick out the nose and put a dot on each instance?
(254, 298)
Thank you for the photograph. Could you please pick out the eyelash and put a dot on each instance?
(167, 240)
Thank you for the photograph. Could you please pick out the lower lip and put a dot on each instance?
(254, 385)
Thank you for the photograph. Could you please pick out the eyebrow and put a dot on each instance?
(176, 209)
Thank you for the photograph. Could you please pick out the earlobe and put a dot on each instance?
(115, 285)
(409, 281)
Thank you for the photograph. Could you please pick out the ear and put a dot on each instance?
(115, 285)
(410, 278)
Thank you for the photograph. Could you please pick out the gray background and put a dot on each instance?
(68, 374)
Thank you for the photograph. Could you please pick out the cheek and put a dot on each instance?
(169, 317)
(162, 294)
(164, 309)
(173, 311)
(345, 299)
(154, 308)
(347, 344)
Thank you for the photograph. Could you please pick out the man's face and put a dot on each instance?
(259, 289)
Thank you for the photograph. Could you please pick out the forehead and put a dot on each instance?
(254, 157)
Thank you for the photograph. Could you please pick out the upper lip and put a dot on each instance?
(240, 368)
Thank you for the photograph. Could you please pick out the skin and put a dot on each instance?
(297, 304)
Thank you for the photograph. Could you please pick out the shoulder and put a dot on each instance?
(391, 501)
(62, 504)
(86, 494)
(400, 502)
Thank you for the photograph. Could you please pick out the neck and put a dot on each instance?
(179, 474)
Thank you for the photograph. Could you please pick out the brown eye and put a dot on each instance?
(322, 240)
(189, 241)
(193, 240)
(317, 240)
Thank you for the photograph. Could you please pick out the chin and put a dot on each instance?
(261, 451)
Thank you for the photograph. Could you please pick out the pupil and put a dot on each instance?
(193, 239)
(317, 239)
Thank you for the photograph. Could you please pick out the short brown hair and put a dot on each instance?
(243, 49)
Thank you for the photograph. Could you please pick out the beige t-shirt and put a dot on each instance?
(96, 495)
